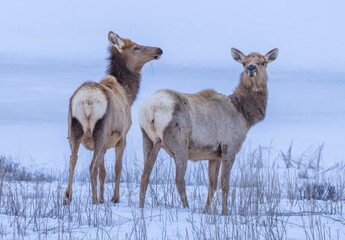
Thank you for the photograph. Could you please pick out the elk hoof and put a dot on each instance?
(115, 200)
(101, 201)
(185, 205)
(66, 201)
(224, 212)
(206, 210)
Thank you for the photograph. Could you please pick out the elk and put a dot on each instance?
(100, 113)
(205, 125)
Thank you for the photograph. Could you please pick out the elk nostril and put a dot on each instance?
(159, 51)
(251, 68)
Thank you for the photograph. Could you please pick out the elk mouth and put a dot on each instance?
(252, 74)
(157, 57)
(159, 54)
(257, 89)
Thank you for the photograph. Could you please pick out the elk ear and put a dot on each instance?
(272, 55)
(237, 55)
(115, 40)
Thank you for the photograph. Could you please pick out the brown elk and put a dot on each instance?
(205, 125)
(100, 113)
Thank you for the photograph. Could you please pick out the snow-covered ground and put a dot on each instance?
(266, 201)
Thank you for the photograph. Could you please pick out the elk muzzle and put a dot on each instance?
(251, 68)
(159, 54)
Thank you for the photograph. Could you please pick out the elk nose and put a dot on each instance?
(251, 68)
(159, 51)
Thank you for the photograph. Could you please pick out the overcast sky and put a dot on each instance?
(310, 34)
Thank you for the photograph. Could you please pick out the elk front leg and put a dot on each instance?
(150, 155)
(119, 149)
(213, 171)
(227, 163)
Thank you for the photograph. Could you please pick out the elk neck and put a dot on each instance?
(129, 80)
(252, 105)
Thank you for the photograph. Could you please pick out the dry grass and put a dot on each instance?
(271, 197)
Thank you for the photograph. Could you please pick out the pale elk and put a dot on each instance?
(205, 125)
(100, 113)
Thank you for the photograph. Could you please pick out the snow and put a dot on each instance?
(264, 203)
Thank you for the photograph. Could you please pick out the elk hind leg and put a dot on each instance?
(102, 174)
(75, 134)
(181, 160)
(174, 138)
(98, 156)
(100, 138)
(150, 150)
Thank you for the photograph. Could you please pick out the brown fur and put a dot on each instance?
(130, 80)
(252, 105)
(117, 91)
(254, 55)
(205, 125)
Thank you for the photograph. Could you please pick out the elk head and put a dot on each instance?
(254, 75)
(134, 55)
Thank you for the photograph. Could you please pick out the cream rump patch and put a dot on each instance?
(89, 105)
(156, 113)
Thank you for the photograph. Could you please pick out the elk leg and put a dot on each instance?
(102, 174)
(75, 135)
(119, 149)
(174, 139)
(93, 178)
(181, 159)
(72, 163)
(213, 171)
(150, 155)
(227, 163)
(98, 155)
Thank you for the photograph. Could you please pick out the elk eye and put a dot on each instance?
(244, 64)
(263, 64)
(136, 48)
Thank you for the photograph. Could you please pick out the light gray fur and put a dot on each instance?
(205, 125)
